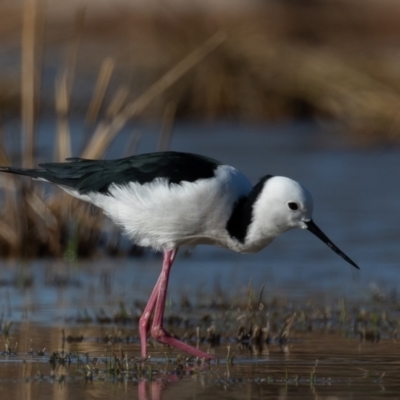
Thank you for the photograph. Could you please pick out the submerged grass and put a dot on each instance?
(278, 363)
(283, 343)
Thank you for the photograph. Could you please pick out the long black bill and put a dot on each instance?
(318, 233)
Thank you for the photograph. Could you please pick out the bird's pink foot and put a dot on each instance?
(163, 336)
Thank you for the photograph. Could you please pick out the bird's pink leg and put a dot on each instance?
(144, 322)
(157, 330)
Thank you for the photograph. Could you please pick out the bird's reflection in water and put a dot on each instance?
(152, 390)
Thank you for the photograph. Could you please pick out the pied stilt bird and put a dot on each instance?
(169, 199)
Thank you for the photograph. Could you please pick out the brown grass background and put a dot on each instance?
(108, 62)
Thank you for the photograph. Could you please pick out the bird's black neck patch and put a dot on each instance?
(242, 213)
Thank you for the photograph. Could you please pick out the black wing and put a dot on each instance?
(97, 175)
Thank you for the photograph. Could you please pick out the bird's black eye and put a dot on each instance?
(293, 206)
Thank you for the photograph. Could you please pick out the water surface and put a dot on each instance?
(356, 194)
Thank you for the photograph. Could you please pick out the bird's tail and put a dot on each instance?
(41, 174)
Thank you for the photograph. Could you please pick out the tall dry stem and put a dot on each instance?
(63, 138)
(28, 79)
(63, 89)
(166, 130)
(117, 102)
(99, 92)
(72, 51)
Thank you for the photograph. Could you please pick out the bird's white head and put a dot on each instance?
(282, 204)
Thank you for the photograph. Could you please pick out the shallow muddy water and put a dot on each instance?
(332, 351)
(323, 366)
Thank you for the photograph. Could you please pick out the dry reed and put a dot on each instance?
(28, 79)
(106, 131)
(34, 223)
(103, 80)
